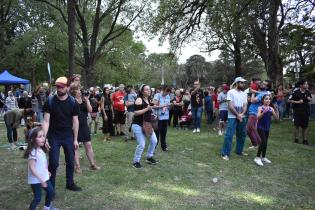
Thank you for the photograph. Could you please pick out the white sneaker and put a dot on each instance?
(266, 160)
(195, 130)
(13, 146)
(225, 157)
(253, 147)
(220, 133)
(198, 130)
(257, 160)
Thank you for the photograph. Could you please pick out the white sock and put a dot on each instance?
(46, 208)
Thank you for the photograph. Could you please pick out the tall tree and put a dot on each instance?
(99, 24)
(267, 19)
(71, 34)
(218, 24)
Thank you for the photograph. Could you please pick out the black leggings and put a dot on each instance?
(177, 114)
(161, 134)
(264, 140)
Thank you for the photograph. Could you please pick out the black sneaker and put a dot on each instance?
(305, 142)
(296, 141)
(73, 187)
(165, 149)
(137, 165)
(151, 161)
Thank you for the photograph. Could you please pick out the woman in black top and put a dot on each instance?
(107, 114)
(84, 131)
(143, 111)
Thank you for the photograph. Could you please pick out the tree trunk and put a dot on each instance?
(237, 49)
(268, 45)
(89, 73)
(275, 67)
(71, 35)
(237, 60)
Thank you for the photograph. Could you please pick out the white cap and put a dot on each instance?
(239, 79)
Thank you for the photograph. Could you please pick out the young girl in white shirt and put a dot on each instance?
(38, 175)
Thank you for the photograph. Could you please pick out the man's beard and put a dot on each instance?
(60, 94)
(240, 88)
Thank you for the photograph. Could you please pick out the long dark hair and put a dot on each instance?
(105, 95)
(32, 135)
(141, 92)
(271, 104)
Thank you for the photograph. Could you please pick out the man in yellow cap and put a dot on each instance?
(61, 125)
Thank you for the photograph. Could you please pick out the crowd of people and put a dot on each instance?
(71, 115)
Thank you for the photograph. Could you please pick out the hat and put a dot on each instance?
(62, 82)
(121, 86)
(239, 79)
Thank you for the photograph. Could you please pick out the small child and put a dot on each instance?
(265, 112)
(38, 175)
(254, 85)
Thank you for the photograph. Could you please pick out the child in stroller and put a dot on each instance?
(185, 120)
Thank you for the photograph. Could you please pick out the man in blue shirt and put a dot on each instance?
(129, 101)
(163, 101)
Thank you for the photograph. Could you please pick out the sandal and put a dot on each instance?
(78, 170)
(95, 167)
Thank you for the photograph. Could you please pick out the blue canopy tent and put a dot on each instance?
(7, 79)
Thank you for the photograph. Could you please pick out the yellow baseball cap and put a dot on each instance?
(62, 82)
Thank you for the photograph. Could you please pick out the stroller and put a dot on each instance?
(185, 120)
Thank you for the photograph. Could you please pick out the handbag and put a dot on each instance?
(154, 121)
(149, 127)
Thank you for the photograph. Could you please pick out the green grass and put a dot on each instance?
(182, 179)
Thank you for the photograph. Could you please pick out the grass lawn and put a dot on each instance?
(182, 179)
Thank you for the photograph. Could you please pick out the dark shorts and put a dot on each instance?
(119, 117)
(301, 119)
(223, 115)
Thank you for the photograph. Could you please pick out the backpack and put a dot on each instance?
(50, 101)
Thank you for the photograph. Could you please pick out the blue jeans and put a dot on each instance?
(280, 106)
(68, 147)
(137, 130)
(240, 128)
(196, 115)
(10, 131)
(209, 114)
(39, 116)
(37, 190)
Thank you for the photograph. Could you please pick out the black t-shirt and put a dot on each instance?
(144, 117)
(298, 95)
(196, 99)
(61, 113)
(94, 100)
(25, 103)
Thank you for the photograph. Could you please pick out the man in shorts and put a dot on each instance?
(300, 99)
(119, 109)
(223, 107)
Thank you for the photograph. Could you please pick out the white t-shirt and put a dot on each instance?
(239, 98)
(41, 166)
(222, 97)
